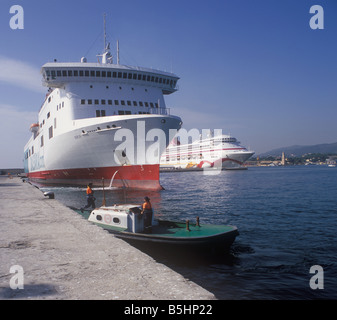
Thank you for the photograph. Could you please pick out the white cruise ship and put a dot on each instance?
(98, 120)
(220, 151)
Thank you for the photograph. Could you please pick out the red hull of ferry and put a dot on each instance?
(145, 177)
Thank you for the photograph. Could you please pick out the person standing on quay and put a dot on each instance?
(90, 198)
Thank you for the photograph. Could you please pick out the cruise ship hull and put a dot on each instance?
(122, 150)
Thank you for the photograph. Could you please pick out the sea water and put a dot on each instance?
(286, 216)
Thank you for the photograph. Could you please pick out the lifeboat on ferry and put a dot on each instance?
(34, 127)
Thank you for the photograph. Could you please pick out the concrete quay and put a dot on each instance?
(64, 257)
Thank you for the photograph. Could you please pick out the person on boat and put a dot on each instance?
(90, 198)
(147, 212)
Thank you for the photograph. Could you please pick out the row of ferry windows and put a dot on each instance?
(109, 74)
(122, 103)
(102, 113)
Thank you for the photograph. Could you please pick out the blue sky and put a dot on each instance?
(252, 68)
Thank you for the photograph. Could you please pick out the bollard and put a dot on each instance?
(188, 225)
(50, 195)
(198, 222)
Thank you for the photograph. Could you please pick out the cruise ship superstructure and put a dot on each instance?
(97, 122)
(218, 152)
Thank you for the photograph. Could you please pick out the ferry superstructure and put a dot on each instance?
(220, 151)
(97, 121)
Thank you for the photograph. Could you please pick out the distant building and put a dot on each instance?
(283, 160)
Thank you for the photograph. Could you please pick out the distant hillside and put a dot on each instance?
(298, 151)
(11, 171)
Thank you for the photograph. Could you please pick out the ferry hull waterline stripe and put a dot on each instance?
(135, 177)
(101, 120)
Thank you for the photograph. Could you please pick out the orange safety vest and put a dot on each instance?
(89, 191)
(147, 206)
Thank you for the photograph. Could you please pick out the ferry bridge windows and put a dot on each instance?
(122, 112)
(42, 142)
(100, 113)
(111, 74)
(116, 102)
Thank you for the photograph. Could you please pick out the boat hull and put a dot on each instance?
(134, 177)
(224, 240)
(176, 235)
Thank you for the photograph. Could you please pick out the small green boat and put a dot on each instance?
(127, 222)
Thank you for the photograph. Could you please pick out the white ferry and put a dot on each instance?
(94, 123)
(220, 151)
